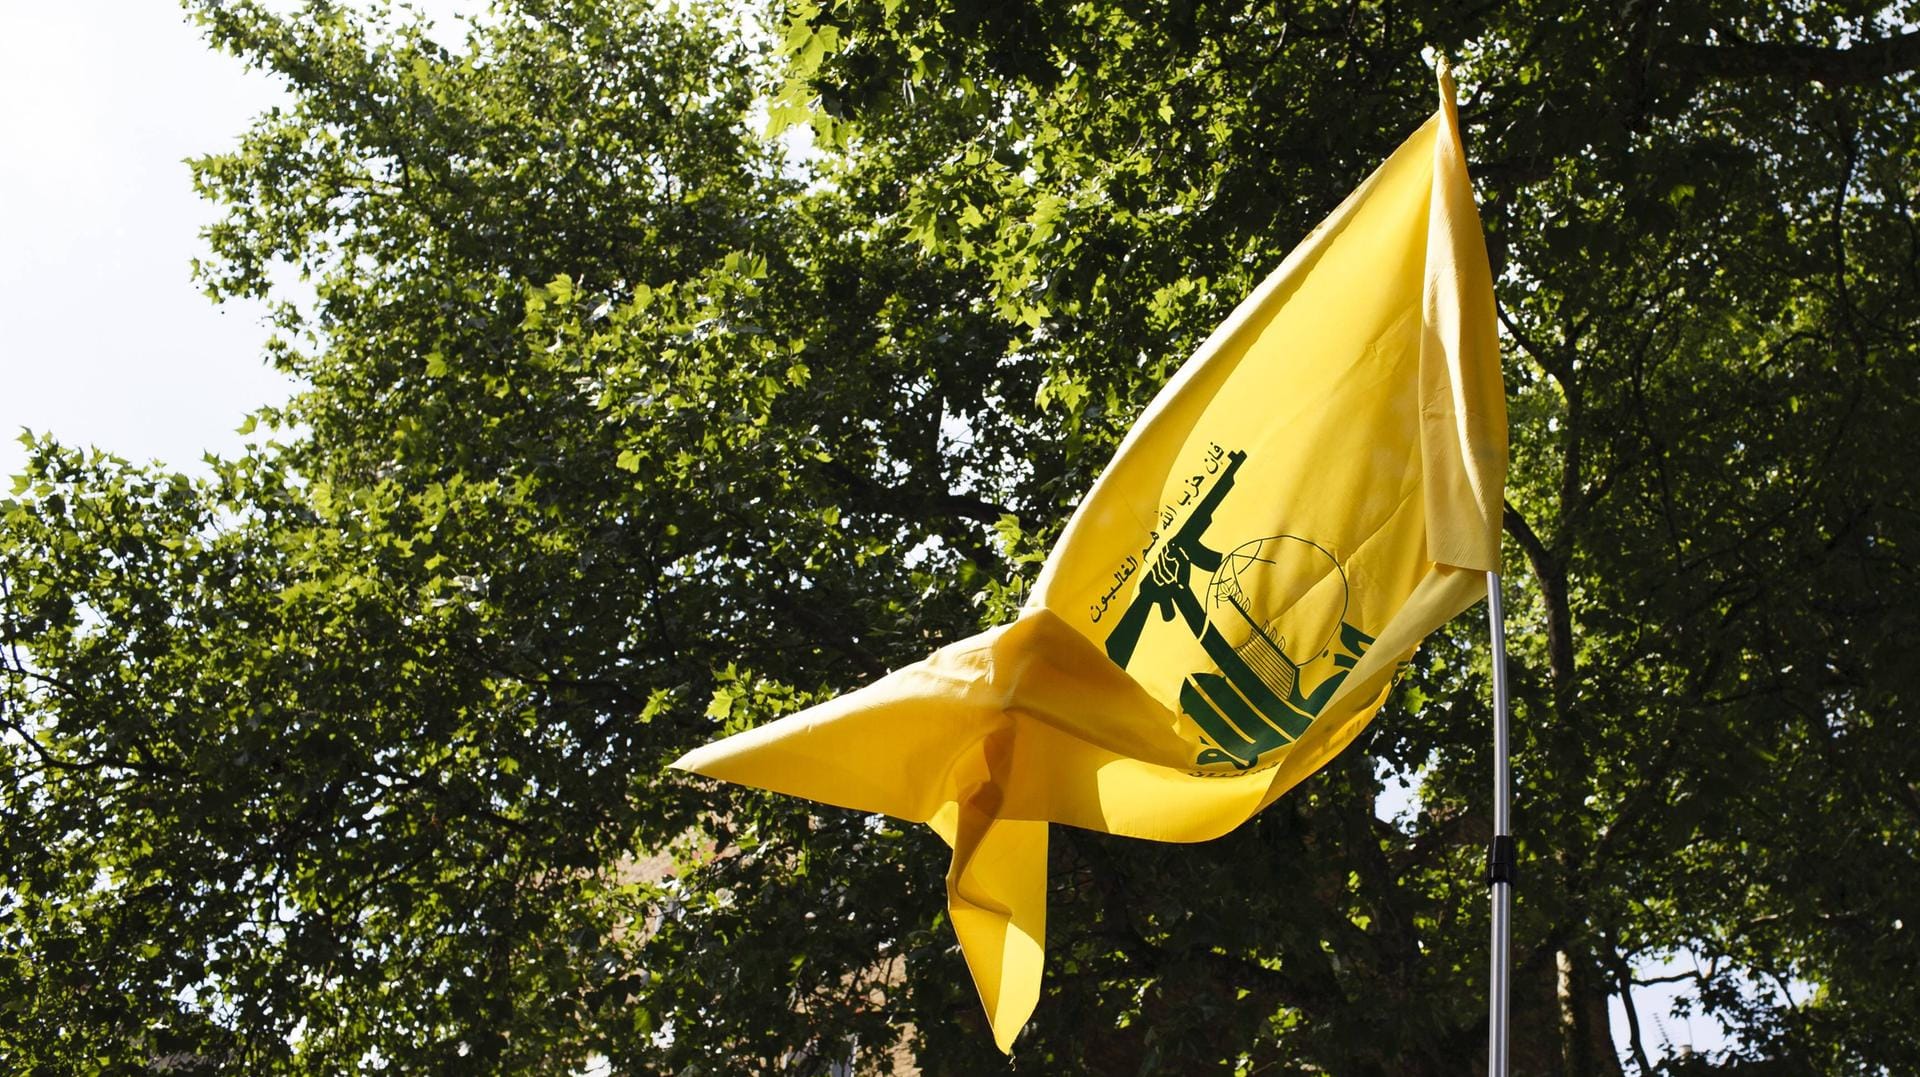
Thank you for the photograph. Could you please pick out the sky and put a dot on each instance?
(105, 340)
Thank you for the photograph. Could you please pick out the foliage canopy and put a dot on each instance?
(627, 425)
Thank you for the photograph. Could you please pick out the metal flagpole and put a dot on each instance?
(1500, 855)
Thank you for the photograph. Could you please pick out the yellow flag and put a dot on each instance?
(1312, 493)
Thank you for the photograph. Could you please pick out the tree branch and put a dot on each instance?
(915, 503)
(830, 631)
(1623, 979)
(1552, 574)
(1869, 61)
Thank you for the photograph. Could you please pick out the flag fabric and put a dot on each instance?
(1315, 490)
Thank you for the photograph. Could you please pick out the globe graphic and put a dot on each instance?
(1278, 602)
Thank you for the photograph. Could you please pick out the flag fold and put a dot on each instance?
(1314, 491)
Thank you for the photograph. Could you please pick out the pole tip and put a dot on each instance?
(1443, 74)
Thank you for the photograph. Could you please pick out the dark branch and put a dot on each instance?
(833, 633)
(915, 503)
(1551, 572)
(1869, 61)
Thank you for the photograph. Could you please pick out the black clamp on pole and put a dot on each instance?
(1501, 860)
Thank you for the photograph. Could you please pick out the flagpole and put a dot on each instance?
(1500, 855)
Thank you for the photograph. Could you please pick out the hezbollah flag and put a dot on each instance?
(1314, 491)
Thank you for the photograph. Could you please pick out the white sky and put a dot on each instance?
(104, 339)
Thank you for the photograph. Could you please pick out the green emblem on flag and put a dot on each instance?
(1272, 619)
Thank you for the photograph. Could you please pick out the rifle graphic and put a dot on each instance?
(1166, 585)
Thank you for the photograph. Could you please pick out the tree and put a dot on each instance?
(627, 427)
